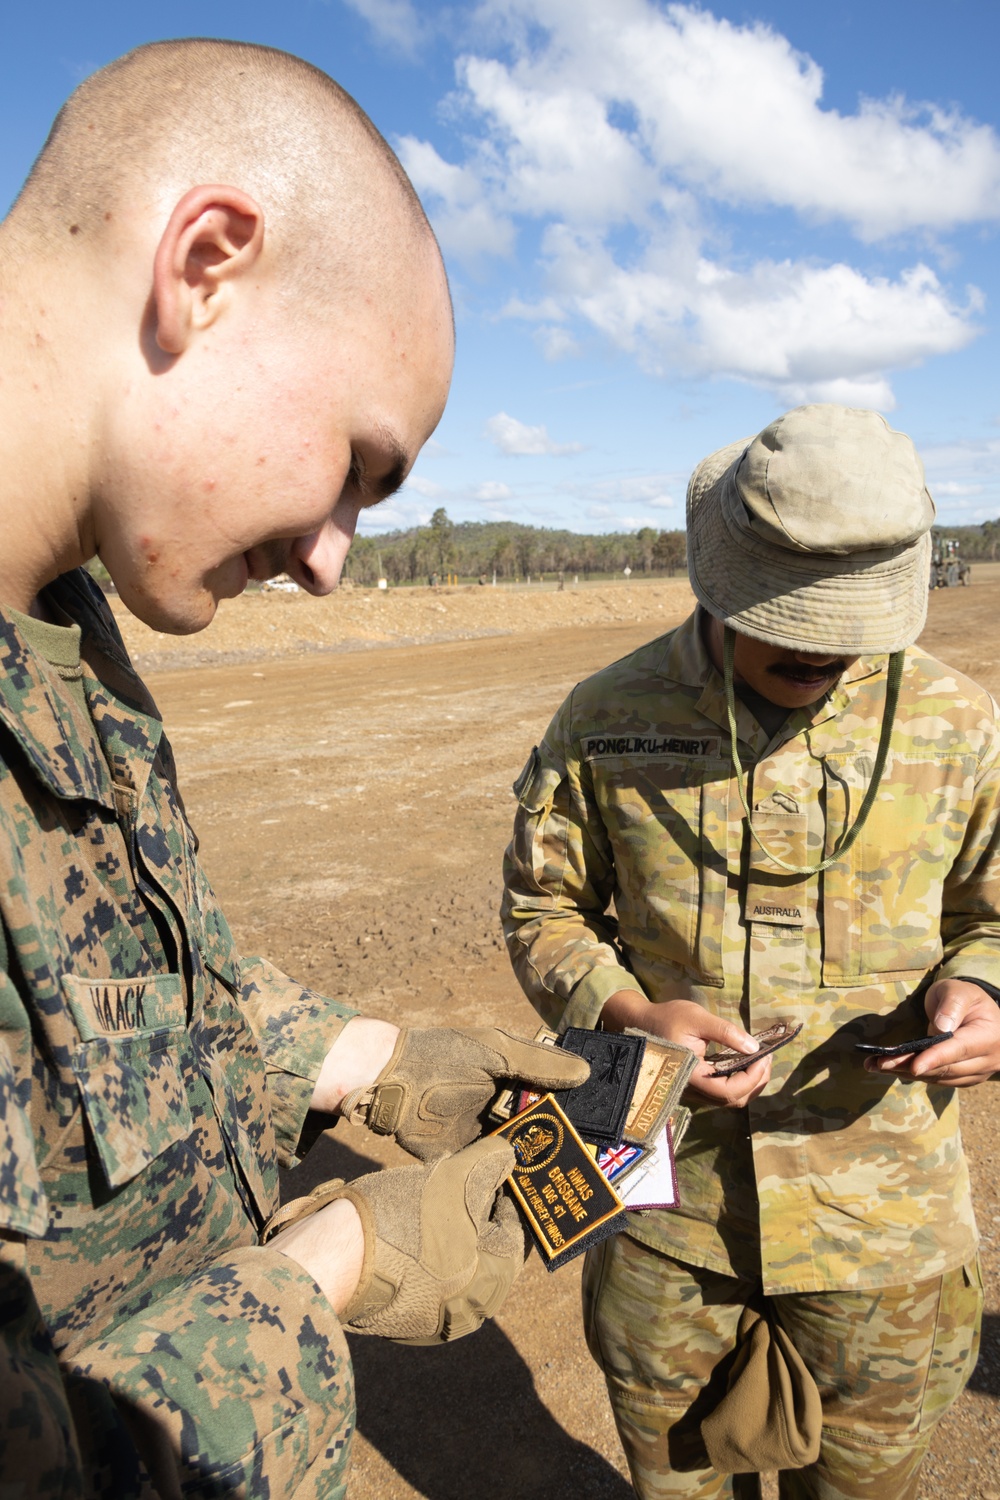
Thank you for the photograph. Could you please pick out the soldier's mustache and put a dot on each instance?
(806, 672)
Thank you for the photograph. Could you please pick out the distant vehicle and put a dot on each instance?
(281, 585)
(948, 570)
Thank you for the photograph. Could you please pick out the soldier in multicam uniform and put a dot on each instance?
(202, 383)
(712, 786)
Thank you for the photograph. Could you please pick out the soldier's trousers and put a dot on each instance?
(888, 1363)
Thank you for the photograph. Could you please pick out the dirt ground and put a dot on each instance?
(352, 802)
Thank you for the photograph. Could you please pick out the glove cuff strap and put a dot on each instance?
(371, 1293)
(301, 1208)
(355, 1105)
(378, 1104)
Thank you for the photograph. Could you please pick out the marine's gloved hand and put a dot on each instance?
(443, 1244)
(434, 1089)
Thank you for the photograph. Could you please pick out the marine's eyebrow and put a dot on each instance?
(389, 483)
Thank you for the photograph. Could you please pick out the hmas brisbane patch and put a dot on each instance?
(562, 1192)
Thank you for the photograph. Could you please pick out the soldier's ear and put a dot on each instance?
(213, 237)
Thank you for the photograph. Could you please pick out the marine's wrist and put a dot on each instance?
(360, 1054)
(331, 1246)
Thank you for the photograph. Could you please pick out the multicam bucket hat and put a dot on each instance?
(814, 535)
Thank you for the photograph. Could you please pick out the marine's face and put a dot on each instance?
(255, 453)
(790, 679)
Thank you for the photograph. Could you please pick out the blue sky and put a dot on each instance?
(664, 224)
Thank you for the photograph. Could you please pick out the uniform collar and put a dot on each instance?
(68, 758)
(686, 660)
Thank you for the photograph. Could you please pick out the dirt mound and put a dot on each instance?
(261, 624)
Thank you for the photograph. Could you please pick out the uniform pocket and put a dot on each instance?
(215, 941)
(956, 1341)
(882, 902)
(128, 1069)
(540, 858)
(667, 821)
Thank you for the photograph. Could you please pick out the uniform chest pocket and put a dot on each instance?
(128, 1066)
(668, 825)
(882, 902)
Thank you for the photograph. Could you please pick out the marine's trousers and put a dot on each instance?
(251, 1394)
(888, 1362)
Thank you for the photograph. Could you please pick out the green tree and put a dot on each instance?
(669, 551)
(442, 531)
(645, 541)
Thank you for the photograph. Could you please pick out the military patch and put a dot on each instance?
(654, 1185)
(651, 746)
(663, 1075)
(728, 1061)
(904, 1049)
(568, 1202)
(124, 1007)
(617, 1162)
(599, 1108)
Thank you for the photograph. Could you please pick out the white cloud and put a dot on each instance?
(964, 478)
(621, 104)
(514, 437)
(615, 520)
(426, 487)
(468, 225)
(491, 490)
(616, 129)
(396, 23)
(951, 488)
(556, 343)
(388, 516)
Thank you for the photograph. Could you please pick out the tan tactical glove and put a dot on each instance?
(432, 1092)
(443, 1244)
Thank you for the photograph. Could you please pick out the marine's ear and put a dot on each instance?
(214, 236)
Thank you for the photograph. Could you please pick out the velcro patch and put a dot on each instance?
(568, 1202)
(124, 1007)
(599, 1107)
(651, 746)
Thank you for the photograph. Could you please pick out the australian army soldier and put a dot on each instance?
(794, 812)
(224, 330)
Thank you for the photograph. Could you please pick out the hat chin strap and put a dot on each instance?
(894, 678)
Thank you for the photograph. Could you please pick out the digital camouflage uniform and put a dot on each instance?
(834, 1180)
(151, 1082)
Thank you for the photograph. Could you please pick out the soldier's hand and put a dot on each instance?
(690, 1024)
(973, 1053)
(433, 1091)
(442, 1243)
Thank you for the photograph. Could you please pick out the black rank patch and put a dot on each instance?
(599, 1108)
(562, 1192)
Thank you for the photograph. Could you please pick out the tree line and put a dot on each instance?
(475, 549)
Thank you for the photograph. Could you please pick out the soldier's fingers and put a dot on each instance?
(736, 1090)
(746, 1085)
(732, 1035)
(965, 1044)
(961, 1075)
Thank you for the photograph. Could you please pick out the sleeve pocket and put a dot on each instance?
(536, 787)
